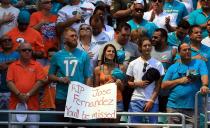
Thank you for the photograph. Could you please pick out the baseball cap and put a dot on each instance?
(139, 2)
(21, 107)
(24, 17)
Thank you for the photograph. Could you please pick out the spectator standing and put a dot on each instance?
(86, 43)
(24, 78)
(99, 34)
(183, 81)
(7, 56)
(44, 22)
(206, 41)
(200, 16)
(175, 9)
(180, 35)
(144, 97)
(69, 64)
(8, 17)
(111, 71)
(137, 21)
(23, 33)
(123, 43)
(159, 17)
(69, 16)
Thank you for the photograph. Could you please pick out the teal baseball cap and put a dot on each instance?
(24, 17)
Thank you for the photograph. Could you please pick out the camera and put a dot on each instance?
(192, 74)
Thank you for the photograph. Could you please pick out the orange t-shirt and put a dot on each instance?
(30, 35)
(105, 78)
(48, 31)
(24, 78)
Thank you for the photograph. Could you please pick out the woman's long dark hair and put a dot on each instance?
(103, 59)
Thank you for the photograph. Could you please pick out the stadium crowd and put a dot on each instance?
(156, 51)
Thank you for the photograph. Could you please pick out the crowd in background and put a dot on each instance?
(156, 51)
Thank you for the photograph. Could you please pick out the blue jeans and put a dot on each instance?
(138, 106)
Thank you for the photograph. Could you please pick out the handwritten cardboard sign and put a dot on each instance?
(85, 103)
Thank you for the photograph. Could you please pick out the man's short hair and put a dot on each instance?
(192, 27)
(69, 29)
(184, 24)
(179, 47)
(122, 25)
(163, 32)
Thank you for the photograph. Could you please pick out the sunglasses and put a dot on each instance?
(47, 2)
(6, 40)
(26, 50)
(159, 1)
(85, 28)
(140, 10)
(145, 67)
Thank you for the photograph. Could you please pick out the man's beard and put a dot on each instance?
(71, 45)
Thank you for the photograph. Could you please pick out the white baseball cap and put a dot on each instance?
(21, 107)
(139, 2)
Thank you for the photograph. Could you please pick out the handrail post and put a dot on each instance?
(196, 109)
(9, 119)
(183, 121)
(205, 110)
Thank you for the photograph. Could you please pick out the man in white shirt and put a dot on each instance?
(206, 40)
(8, 17)
(159, 17)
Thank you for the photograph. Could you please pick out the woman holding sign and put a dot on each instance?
(111, 71)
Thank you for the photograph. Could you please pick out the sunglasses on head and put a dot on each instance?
(85, 28)
(26, 50)
(145, 67)
(159, 1)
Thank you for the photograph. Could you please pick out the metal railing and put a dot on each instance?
(10, 123)
(205, 110)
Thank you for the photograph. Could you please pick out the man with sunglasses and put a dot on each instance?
(7, 56)
(137, 21)
(23, 33)
(158, 16)
(24, 78)
(184, 79)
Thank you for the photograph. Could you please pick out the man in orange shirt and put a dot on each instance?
(23, 33)
(24, 77)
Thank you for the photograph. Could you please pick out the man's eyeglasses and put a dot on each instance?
(26, 50)
(47, 2)
(159, 1)
(6, 40)
(145, 67)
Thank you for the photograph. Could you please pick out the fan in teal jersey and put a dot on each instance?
(69, 64)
